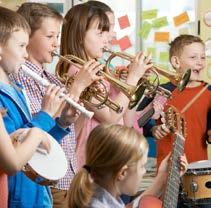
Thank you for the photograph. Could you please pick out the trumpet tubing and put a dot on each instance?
(91, 91)
(180, 80)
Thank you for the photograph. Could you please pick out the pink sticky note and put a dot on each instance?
(124, 22)
(124, 43)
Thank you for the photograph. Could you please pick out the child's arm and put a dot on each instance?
(13, 158)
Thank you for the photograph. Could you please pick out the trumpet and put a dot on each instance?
(178, 79)
(134, 93)
(91, 91)
(45, 83)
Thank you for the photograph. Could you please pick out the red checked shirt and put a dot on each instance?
(35, 93)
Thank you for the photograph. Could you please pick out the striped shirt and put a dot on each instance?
(35, 93)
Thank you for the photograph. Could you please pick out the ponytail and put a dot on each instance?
(81, 190)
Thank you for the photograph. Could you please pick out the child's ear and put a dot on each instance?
(122, 173)
(175, 62)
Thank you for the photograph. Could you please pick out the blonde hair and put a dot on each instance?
(109, 148)
(10, 22)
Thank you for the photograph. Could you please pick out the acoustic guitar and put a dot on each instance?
(176, 123)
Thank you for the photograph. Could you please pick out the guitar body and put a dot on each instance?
(150, 202)
(147, 202)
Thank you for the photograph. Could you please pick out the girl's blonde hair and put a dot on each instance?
(109, 148)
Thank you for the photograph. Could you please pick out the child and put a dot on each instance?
(115, 164)
(187, 52)
(13, 158)
(14, 38)
(45, 25)
(130, 117)
(87, 40)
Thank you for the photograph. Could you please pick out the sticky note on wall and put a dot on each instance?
(145, 30)
(160, 22)
(124, 43)
(181, 19)
(152, 51)
(124, 22)
(149, 14)
(161, 37)
(164, 56)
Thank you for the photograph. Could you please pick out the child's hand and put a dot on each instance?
(43, 136)
(88, 74)
(158, 105)
(160, 131)
(139, 66)
(52, 100)
(69, 115)
(164, 166)
(183, 164)
(18, 136)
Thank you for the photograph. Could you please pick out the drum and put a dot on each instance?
(47, 168)
(197, 180)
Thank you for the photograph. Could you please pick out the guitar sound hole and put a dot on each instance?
(208, 184)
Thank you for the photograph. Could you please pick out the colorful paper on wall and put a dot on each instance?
(149, 14)
(161, 37)
(145, 30)
(124, 43)
(181, 19)
(114, 41)
(160, 22)
(152, 51)
(164, 56)
(124, 22)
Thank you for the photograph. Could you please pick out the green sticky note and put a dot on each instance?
(160, 22)
(164, 56)
(149, 14)
(145, 30)
(152, 51)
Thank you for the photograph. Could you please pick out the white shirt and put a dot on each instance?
(104, 199)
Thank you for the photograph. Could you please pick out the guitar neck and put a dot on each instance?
(173, 182)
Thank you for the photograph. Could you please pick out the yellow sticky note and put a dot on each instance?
(160, 22)
(145, 30)
(149, 14)
(181, 19)
(161, 37)
(164, 56)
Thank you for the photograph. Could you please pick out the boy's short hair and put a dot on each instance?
(10, 22)
(177, 45)
(34, 13)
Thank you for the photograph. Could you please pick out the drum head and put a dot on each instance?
(200, 164)
(52, 166)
